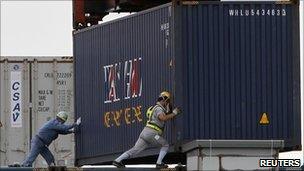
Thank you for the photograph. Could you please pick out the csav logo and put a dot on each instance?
(16, 107)
(16, 99)
(122, 80)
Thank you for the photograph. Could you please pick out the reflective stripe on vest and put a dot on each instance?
(155, 127)
(150, 124)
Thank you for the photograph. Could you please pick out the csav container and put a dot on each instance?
(232, 67)
(33, 90)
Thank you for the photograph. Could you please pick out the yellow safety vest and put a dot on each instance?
(150, 124)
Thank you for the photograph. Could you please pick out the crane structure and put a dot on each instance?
(90, 12)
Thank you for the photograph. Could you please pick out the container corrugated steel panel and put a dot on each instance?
(128, 61)
(245, 65)
(226, 63)
(14, 135)
(47, 87)
(238, 66)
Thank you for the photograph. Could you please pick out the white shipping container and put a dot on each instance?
(33, 90)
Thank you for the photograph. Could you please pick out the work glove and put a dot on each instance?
(78, 121)
(176, 111)
(72, 130)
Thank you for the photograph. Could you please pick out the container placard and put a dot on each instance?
(16, 96)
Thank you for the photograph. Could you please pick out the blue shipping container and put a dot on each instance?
(233, 68)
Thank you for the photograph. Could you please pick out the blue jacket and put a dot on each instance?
(50, 130)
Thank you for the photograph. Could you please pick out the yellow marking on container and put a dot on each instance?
(264, 119)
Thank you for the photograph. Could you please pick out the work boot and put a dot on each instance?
(14, 165)
(52, 164)
(161, 166)
(118, 164)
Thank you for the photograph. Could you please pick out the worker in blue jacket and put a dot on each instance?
(46, 134)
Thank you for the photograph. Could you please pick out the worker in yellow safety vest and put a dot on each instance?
(152, 134)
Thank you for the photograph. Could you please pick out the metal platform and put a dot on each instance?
(82, 169)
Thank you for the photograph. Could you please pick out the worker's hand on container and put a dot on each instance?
(72, 130)
(78, 122)
(176, 111)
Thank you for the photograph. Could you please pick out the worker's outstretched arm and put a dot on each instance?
(164, 117)
(67, 129)
(67, 132)
(64, 128)
(70, 131)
